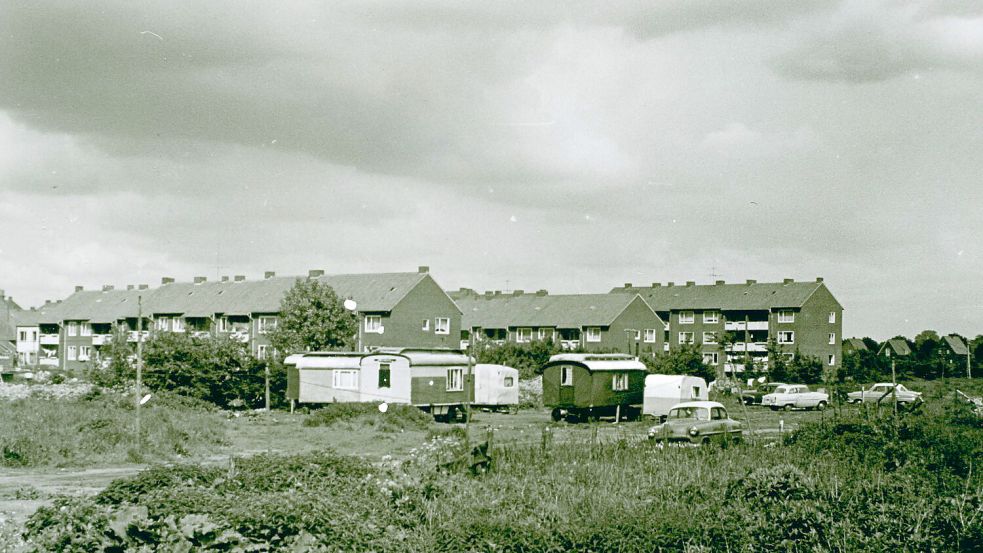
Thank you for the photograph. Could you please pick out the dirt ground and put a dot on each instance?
(22, 491)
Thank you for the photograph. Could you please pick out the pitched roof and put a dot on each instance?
(899, 346)
(956, 344)
(372, 292)
(856, 343)
(533, 310)
(730, 297)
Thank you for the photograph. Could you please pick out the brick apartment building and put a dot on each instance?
(596, 322)
(394, 309)
(801, 317)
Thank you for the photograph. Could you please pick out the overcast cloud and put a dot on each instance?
(572, 146)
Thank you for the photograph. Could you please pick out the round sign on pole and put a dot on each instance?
(350, 304)
(383, 407)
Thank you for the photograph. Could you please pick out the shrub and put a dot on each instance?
(397, 416)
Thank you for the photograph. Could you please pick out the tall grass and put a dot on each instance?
(100, 429)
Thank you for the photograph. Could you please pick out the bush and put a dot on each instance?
(397, 416)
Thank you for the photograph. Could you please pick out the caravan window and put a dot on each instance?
(344, 380)
(509, 382)
(619, 382)
(455, 380)
(385, 375)
(566, 376)
(696, 393)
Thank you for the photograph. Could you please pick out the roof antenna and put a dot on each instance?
(713, 273)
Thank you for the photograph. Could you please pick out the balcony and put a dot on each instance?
(200, 334)
(751, 346)
(101, 339)
(48, 362)
(240, 335)
(133, 335)
(569, 344)
(49, 339)
(750, 325)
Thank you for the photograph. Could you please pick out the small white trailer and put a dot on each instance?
(496, 387)
(663, 391)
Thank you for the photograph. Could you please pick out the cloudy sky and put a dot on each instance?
(571, 146)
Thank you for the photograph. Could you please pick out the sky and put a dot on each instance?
(573, 146)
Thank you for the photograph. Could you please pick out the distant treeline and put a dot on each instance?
(930, 358)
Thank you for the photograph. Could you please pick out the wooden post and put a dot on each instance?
(617, 414)
(139, 393)
(266, 377)
(292, 405)
(894, 390)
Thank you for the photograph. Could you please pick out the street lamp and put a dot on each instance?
(350, 305)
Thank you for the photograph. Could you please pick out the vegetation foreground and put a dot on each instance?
(845, 484)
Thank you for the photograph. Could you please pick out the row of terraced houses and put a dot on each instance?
(731, 324)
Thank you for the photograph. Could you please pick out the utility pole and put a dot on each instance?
(468, 386)
(139, 361)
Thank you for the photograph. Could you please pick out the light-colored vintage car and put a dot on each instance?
(795, 396)
(882, 391)
(697, 422)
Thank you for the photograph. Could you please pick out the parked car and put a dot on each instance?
(754, 395)
(883, 390)
(799, 396)
(697, 422)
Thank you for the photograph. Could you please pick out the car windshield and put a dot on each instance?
(699, 413)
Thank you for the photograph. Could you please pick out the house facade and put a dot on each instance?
(732, 324)
(394, 310)
(593, 322)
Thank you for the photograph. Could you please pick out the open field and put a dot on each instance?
(581, 450)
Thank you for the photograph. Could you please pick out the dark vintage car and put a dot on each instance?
(697, 422)
(753, 396)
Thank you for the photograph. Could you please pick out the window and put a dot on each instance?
(455, 380)
(72, 353)
(73, 328)
(717, 414)
(344, 380)
(223, 324)
(593, 334)
(685, 337)
(85, 329)
(385, 375)
(373, 323)
(786, 337)
(266, 324)
(161, 323)
(523, 335)
(177, 324)
(650, 335)
(832, 360)
(832, 317)
(694, 392)
(789, 357)
(832, 338)
(665, 346)
(619, 382)
(709, 337)
(85, 352)
(546, 334)
(638, 335)
(711, 317)
(23, 336)
(442, 325)
(509, 382)
(566, 376)
(426, 325)
(686, 317)
(710, 358)
(786, 316)
(261, 351)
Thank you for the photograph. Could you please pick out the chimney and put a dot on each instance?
(143, 286)
(542, 293)
(79, 288)
(240, 278)
(788, 281)
(130, 287)
(200, 279)
(719, 282)
(752, 281)
(423, 269)
(314, 273)
(627, 285)
(690, 283)
(107, 287)
(819, 279)
(670, 283)
(225, 278)
(166, 280)
(656, 284)
(269, 274)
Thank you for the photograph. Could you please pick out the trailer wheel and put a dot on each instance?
(556, 414)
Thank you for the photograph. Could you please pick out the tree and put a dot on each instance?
(807, 369)
(116, 361)
(313, 318)
(778, 370)
(528, 359)
(687, 359)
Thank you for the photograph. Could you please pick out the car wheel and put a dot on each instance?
(821, 406)
(788, 407)
(774, 408)
(556, 415)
